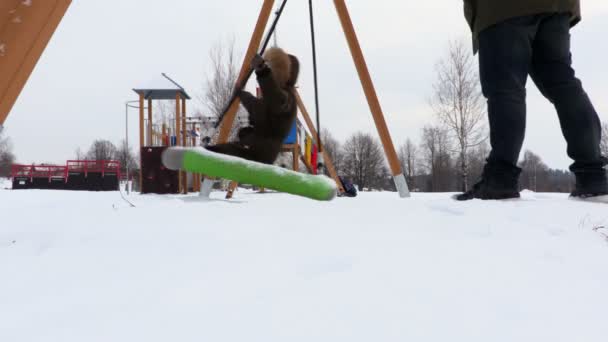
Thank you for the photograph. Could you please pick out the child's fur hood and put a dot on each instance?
(285, 68)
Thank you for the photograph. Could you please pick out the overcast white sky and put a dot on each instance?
(103, 49)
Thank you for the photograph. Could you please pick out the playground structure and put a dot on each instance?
(27, 26)
(174, 132)
(88, 175)
(183, 130)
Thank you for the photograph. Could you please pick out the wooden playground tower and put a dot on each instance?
(151, 136)
(364, 76)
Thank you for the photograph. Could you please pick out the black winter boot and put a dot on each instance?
(498, 181)
(591, 179)
(590, 184)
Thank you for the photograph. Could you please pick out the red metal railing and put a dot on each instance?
(18, 170)
(39, 171)
(96, 166)
(63, 172)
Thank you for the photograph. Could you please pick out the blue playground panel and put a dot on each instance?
(293, 134)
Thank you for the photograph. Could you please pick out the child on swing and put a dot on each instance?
(271, 117)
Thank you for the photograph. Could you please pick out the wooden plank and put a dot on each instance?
(368, 87)
(287, 147)
(231, 188)
(296, 157)
(24, 34)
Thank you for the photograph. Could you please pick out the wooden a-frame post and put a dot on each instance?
(372, 97)
(364, 76)
(26, 28)
(256, 39)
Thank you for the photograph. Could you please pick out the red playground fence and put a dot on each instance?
(90, 175)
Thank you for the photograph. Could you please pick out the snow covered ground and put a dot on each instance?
(77, 266)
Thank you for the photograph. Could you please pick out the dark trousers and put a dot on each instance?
(538, 46)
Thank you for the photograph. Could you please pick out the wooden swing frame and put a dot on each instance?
(366, 82)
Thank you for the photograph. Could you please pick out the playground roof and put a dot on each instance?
(162, 88)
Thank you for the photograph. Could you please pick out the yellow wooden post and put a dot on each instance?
(141, 139)
(178, 130)
(296, 156)
(184, 143)
(150, 141)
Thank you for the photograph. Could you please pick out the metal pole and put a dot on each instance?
(127, 143)
(127, 106)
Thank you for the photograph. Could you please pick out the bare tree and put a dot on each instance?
(533, 175)
(383, 180)
(435, 150)
(102, 150)
(458, 103)
(604, 142)
(364, 159)
(79, 155)
(409, 161)
(7, 157)
(220, 83)
(126, 157)
(333, 149)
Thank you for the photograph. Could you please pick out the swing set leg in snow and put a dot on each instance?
(364, 76)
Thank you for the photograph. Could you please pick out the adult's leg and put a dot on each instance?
(554, 76)
(505, 56)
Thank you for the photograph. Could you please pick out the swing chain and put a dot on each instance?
(320, 163)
